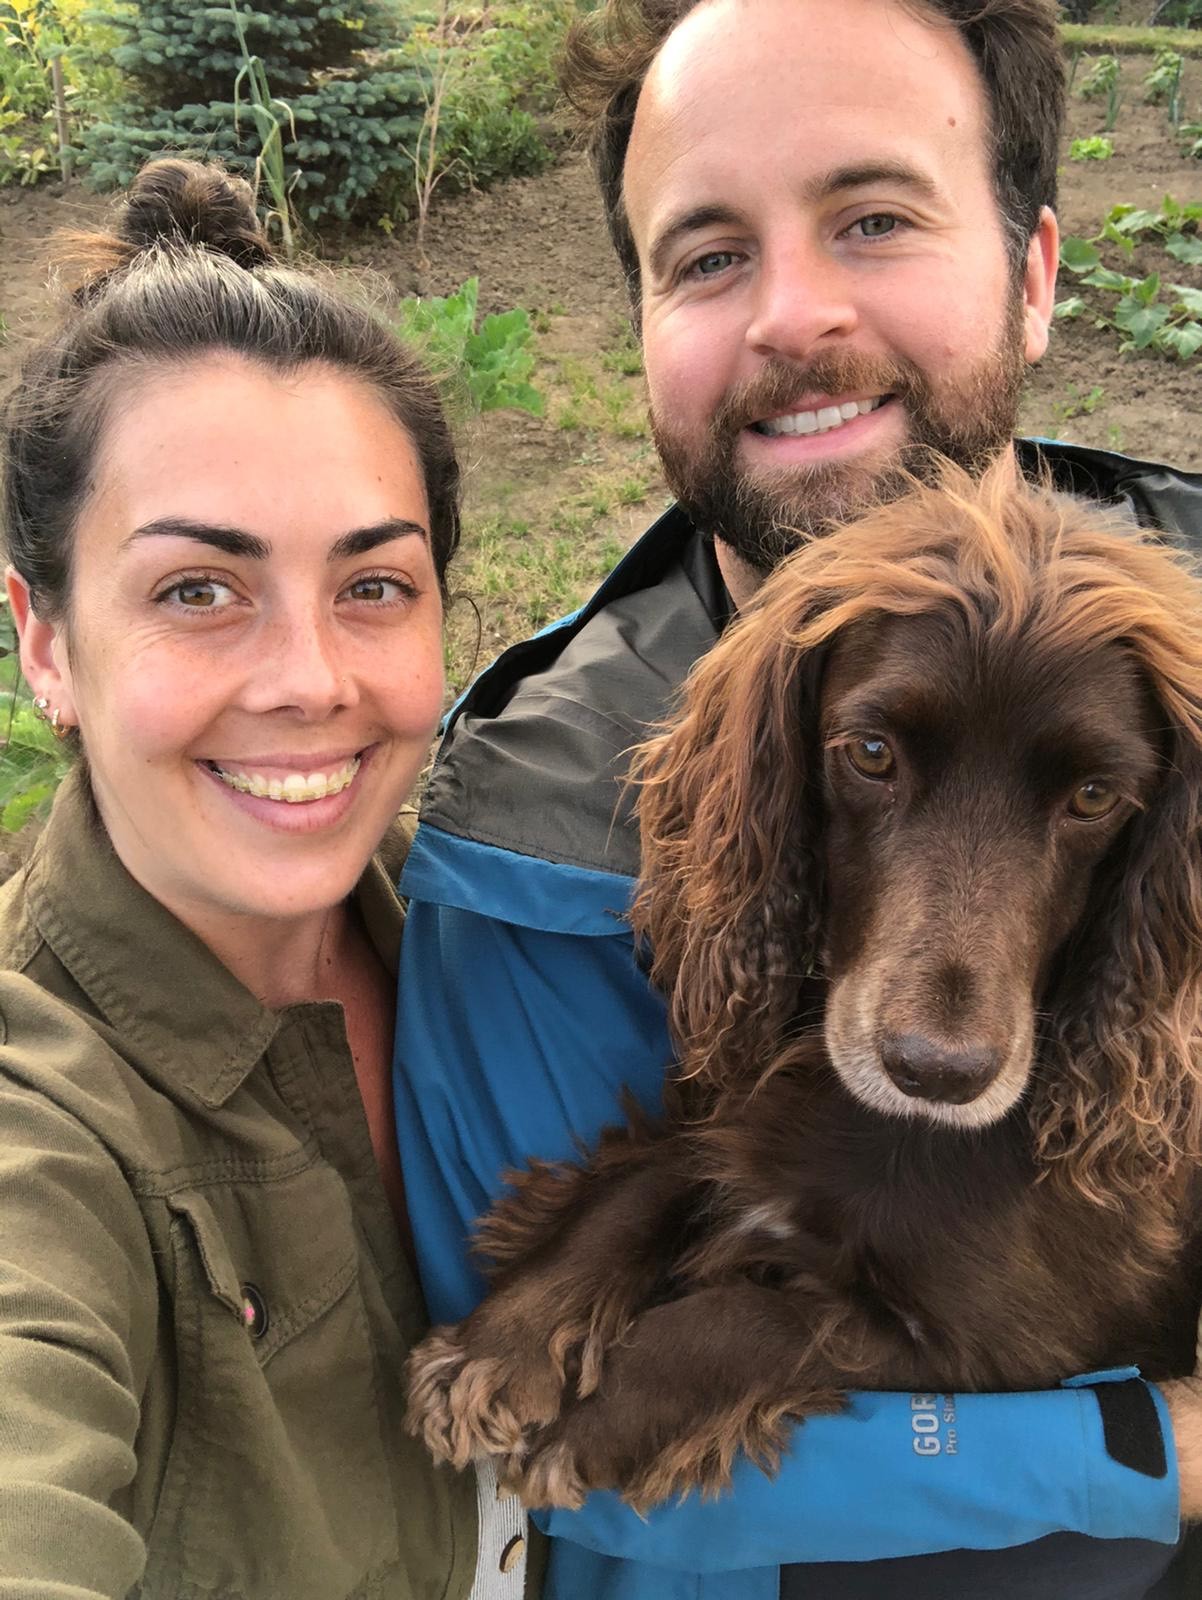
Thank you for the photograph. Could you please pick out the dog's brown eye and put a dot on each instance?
(1093, 800)
(872, 758)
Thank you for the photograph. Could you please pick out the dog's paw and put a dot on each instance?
(476, 1390)
(457, 1403)
(545, 1473)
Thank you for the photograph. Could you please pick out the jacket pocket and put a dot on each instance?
(277, 1481)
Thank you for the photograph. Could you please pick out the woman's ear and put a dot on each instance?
(44, 658)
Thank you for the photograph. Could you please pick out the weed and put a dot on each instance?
(488, 366)
(625, 357)
(1077, 404)
(270, 116)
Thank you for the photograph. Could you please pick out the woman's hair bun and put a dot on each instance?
(194, 202)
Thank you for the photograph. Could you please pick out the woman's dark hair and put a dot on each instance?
(1014, 43)
(188, 271)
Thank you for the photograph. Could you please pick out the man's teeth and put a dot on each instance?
(293, 788)
(819, 421)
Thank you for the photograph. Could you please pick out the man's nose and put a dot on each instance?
(802, 296)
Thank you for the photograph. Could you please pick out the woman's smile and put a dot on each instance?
(297, 797)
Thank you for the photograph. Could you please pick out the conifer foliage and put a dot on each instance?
(349, 122)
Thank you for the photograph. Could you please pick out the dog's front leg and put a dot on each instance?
(696, 1382)
(587, 1247)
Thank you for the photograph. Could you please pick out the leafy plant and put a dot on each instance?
(1179, 13)
(1147, 313)
(32, 761)
(42, 52)
(488, 366)
(1097, 148)
(1078, 404)
(1104, 78)
(492, 74)
(1162, 86)
(270, 117)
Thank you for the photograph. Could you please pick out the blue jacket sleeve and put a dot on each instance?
(513, 1041)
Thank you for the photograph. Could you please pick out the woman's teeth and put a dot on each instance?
(292, 789)
(819, 421)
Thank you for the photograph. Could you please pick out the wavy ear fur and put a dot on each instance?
(1121, 1108)
(730, 896)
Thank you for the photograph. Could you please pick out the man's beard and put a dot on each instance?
(765, 516)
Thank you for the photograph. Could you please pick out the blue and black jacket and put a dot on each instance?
(523, 1014)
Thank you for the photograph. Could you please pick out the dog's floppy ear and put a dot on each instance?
(1123, 1104)
(729, 897)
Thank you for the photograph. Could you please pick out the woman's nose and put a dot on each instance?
(304, 666)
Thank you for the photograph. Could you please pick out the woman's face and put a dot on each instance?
(253, 649)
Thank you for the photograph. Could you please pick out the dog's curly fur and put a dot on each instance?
(800, 1222)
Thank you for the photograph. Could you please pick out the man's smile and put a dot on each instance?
(820, 419)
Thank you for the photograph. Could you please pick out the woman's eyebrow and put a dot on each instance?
(360, 540)
(237, 542)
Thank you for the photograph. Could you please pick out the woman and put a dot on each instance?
(230, 502)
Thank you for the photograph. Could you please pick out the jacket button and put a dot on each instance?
(513, 1553)
(254, 1311)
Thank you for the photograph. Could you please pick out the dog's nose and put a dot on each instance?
(927, 1071)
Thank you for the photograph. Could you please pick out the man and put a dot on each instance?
(835, 217)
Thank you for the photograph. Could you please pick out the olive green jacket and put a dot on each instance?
(204, 1309)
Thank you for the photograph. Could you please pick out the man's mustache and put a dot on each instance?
(780, 386)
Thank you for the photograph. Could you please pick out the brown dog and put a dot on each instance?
(922, 875)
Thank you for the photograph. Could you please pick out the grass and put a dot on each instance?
(1128, 40)
(522, 578)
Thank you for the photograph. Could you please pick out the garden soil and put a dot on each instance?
(541, 243)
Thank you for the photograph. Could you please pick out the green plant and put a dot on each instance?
(487, 366)
(625, 357)
(1179, 13)
(350, 117)
(1192, 134)
(270, 117)
(492, 72)
(1077, 404)
(32, 760)
(1104, 78)
(1136, 307)
(1162, 86)
(42, 50)
(1097, 148)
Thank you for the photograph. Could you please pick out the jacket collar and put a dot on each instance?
(175, 1010)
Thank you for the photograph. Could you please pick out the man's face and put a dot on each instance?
(826, 289)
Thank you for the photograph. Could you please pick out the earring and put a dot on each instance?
(40, 707)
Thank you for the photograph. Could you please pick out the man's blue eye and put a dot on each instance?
(715, 261)
(877, 225)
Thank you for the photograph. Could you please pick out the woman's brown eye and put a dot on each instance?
(872, 758)
(1094, 799)
(368, 589)
(198, 594)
